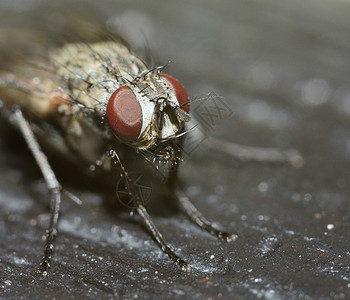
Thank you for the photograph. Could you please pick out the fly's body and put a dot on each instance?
(95, 104)
(98, 105)
(73, 88)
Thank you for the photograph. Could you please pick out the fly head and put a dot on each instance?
(149, 114)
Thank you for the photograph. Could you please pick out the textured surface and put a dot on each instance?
(282, 68)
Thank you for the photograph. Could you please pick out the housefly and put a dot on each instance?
(99, 105)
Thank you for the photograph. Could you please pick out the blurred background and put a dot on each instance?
(282, 68)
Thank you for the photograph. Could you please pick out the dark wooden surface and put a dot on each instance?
(283, 69)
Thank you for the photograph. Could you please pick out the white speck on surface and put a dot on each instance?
(289, 232)
(330, 226)
(263, 187)
(8, 282)
(315, 92)
(36, 80)
(268, 294)
(296, 197)
(77, 220)
(263, 218)
(307, 197)
(267, 244)
(178, 292)
(20, 261)
(193, 190)
(317, 216)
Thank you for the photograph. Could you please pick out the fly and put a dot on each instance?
(99, 105)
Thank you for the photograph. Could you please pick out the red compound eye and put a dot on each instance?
(179, 90)
(124, 114)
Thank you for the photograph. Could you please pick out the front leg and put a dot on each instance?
(259, 154)
(193, 213)
(158, 237)
(52, 184)
(190, 210)
(134, 195)
(198, 135)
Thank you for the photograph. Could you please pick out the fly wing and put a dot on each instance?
(27, 76)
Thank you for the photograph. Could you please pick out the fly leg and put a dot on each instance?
(246, 153)
(136, 198)
(52, 184)
(159, 238)
(193, 213)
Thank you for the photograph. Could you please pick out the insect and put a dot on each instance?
(99, 104)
